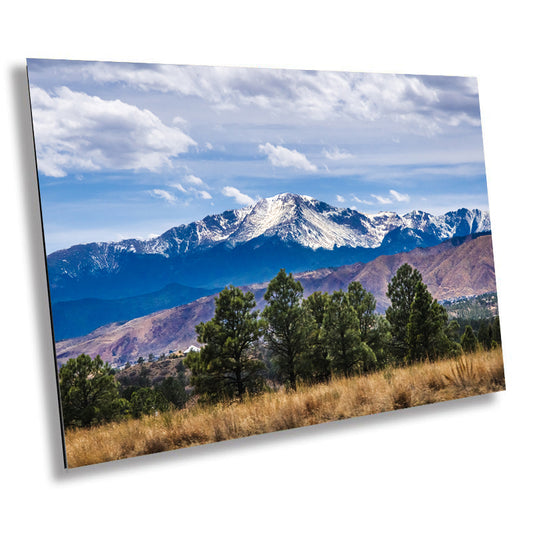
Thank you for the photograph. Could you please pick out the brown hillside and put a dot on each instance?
(448, 270)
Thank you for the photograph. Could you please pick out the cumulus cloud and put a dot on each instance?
(399, 197)
(240, 197)
(204, 195)
(77, 132)
(164, 195)
(340, 199)
(425, 103)
(280, 156)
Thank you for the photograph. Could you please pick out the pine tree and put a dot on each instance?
(364, 304)
(484, 335)
(173, 389)
(452, 331)
(316, 365)
(89, 392)
(379, 340)
(342, 335)
(418, 327)
(468, 340)
(375, 329)
(148, 401)
(425, 329)
(225, 367)
(401, 292)
(286, 327)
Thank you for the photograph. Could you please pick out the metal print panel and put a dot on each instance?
(234, 251)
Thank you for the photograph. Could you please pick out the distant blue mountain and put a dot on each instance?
(74, 318)
(248, 245)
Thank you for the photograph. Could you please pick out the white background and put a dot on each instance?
(461, 466)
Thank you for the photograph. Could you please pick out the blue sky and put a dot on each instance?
(130, 150)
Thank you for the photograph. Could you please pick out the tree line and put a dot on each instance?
(91, 393)
(293, 340)
(312, 339)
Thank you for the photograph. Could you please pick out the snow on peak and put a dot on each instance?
(298, 219)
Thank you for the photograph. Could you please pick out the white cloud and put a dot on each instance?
(340, 199)
(78, 132)
(381, 199)
(395, 196)
(194, 181)
(179, 121)
(425, 104)
(399, 197)
(336, 155)
(359, 201)
(164, 195)
(280, 156)
(208, 145)
(240, 197)
(180, 187)
(196, 187)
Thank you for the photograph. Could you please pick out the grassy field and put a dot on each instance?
(390, 389)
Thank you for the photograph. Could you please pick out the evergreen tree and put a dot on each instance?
(225, 367)
(364, 304)
(484, 335)
(173, 389)
(343, 337)
(316, 365)
(452, 331)
(287, 326)
(375, 330)
(469, 340)
(147, 401)
(401, 292)
(426, 327)
(89, 393)
(379, 340)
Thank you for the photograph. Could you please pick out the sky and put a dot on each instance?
(131, 150)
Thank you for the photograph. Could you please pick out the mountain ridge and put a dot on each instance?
(288, 229)
(457, 267)
(79, 317)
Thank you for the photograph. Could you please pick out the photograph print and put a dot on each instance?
(236, 251)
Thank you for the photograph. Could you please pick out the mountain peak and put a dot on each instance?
(288, 197)
(288, 223)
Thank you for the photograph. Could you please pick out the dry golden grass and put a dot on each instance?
(386, 390)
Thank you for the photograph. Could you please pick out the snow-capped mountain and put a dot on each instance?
(244, 245)
(462, 267)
